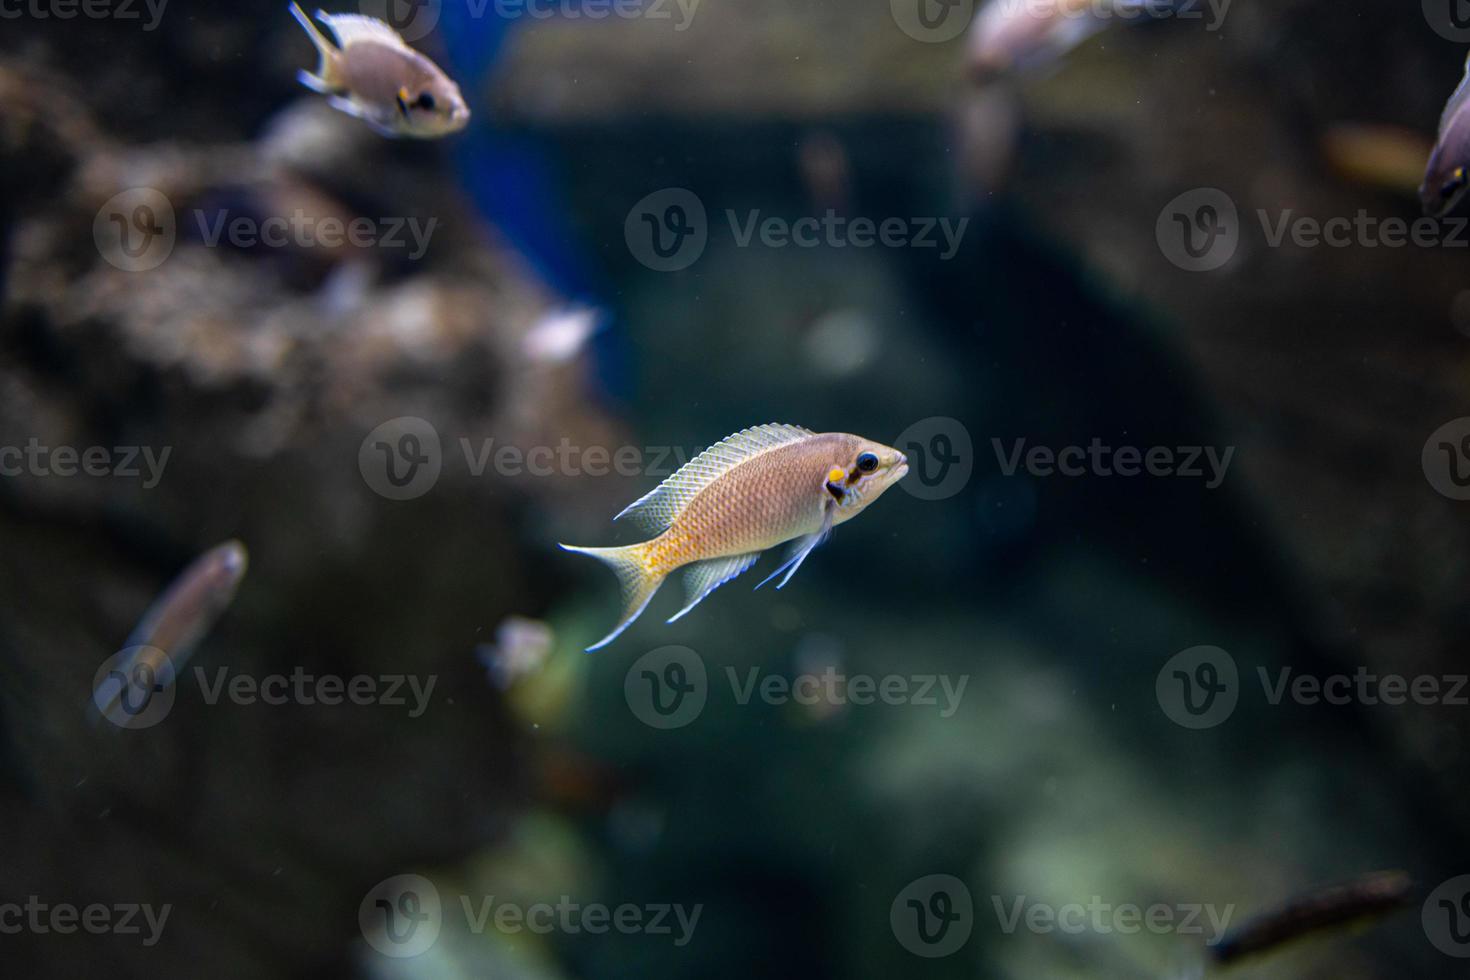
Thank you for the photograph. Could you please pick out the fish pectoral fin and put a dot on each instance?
(343, 104)
(803, 547)
(314, 82)
(355, 109)
(702, 578)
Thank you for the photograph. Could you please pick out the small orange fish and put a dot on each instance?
(749, 492)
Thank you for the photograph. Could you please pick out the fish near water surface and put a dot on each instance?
(1028, 35)
(749, 492)
(1012, 35)
(1445, 179)
(172, 627)
(373, 74)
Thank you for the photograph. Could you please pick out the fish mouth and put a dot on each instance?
(902, 470)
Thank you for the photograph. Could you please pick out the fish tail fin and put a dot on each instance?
(639, 581)
(326, 77)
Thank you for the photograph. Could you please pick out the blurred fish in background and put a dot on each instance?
(1388, 158)
(371, 74)
(166, 637)
(1445, 180)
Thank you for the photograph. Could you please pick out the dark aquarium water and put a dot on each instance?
(1091, 376)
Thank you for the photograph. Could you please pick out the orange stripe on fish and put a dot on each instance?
(749, 492)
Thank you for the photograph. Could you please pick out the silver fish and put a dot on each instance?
(373, 74)
(1444, 177)
(166, 636)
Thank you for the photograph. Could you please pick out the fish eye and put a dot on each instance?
(867, 462)
(426, 101)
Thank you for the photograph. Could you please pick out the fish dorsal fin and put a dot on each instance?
(1456, 99)
(350, 28)
(658, 508)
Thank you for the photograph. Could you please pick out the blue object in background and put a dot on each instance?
(511, 177)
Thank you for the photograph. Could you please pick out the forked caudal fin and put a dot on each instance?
(638, 583)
